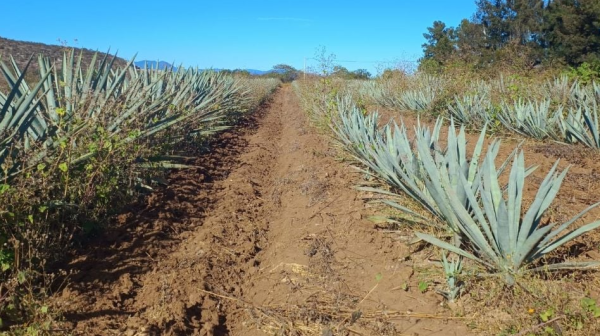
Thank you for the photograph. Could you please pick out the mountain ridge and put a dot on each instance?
(161, 65)
(22, 51)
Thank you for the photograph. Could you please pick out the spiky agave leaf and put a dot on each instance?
(472, 110)
(391, 156)
(581, 126)
(533, 119)
(502, 240)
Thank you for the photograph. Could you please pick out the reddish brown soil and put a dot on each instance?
(267, 238)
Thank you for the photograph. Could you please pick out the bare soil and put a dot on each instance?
(268, 236)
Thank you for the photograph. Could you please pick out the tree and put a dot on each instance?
(470, 40)
(494, 17)
(237, 72)
(510, 21)
(326, 61)
(361, 74)
(527, 22)
(518, 33)
(341, 72)
(440, 42)
(572, 30)
(286, 73)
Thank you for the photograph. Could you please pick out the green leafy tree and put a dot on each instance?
(341, 72)
(361, 74)
(440, 43)
(494, 17)
(572, 30)
(519, 33)
(526, 21)
(286, 73)
(470, 41)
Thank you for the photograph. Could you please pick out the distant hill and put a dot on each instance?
(21, 51)
(161, 65)
(262, 72)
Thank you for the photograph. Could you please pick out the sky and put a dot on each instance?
(228, 34)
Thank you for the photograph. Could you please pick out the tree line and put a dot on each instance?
(287, 73)
(524, 33)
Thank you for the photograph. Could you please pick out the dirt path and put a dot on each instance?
(268, 237)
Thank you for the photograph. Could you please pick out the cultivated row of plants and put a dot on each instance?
(561, 109)
(488, 221)
(81, 141)
(503, 244)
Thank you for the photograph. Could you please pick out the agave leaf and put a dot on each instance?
(476, 155)
(568, 237)
(566, 266)
(564, 226)
(533, 214)
(403, 209)
(440, 243)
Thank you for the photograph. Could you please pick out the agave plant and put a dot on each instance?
(417, 93)
(534, 119)
(472, 110)
(501, 239)
(384, 92)
(584, 95)
(452, 269)
(386, 154)
(404, 165)
(581, 125)
(129, 104)
(417, 100)
(560, 89)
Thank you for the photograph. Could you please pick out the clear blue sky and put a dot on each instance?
(237, 34)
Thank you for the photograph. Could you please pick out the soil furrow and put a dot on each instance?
(268, 237)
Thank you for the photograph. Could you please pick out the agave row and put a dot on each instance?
(130, 104)
(560, 109)
(462, 192)
(79, 138)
